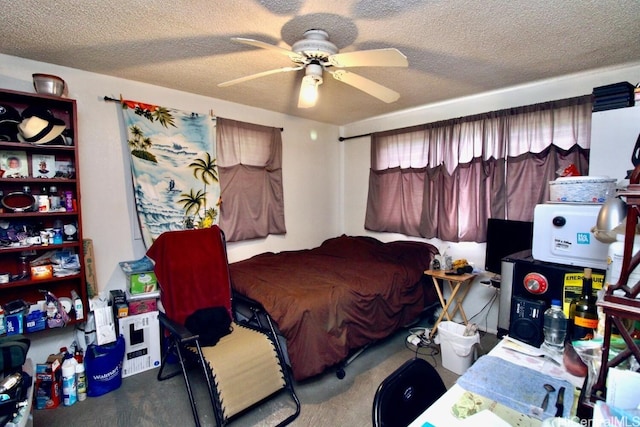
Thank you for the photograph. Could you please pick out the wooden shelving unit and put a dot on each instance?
(62, 155)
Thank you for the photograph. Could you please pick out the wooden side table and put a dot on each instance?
(459, 284)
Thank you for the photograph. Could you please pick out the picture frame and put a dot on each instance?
(43, 165)
(64, 168)
(13, 164)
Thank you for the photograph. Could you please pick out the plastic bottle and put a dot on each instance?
(54, 198)
(81, 382)
(585, 311)
(68, 201)
(555, 325)
(24, 268)
(3, 326)
(69, 391)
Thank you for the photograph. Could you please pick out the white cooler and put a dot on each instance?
(562, 234)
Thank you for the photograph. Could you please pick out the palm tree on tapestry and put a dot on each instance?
(206, 170)
(140, 144)
(191, 203)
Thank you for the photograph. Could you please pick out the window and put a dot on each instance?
(250, 168)
(445, 179)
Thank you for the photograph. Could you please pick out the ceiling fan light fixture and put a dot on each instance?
(309, 86)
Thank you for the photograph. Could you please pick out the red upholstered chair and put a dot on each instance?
(245, 366)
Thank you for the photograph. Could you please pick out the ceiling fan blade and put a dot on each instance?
(369, 58)
(258, 75)
(368, 86)
(257, 43)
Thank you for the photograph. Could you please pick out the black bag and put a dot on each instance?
(210, 324)
(16, 395)
(13, 353)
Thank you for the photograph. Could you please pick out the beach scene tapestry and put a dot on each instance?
(173, 163)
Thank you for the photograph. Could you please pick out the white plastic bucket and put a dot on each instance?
(457, 350)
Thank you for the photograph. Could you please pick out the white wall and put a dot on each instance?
(357, 156)
(311, 171)
(325, 181)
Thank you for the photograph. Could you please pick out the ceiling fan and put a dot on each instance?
(315, 54)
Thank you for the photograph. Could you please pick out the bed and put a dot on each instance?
(338, 297)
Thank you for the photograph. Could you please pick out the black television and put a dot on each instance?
(505, 237)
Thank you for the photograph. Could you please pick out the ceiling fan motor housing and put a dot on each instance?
(315, 44)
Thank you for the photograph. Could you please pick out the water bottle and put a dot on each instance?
(555, 325)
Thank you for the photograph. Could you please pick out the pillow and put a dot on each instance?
(210, 324)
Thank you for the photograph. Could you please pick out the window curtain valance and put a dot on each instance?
(498, 134)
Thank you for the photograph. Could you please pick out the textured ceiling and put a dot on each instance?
(454, 48)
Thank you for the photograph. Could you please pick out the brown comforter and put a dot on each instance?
(340, 296)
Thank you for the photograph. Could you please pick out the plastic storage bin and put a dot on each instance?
(582, 189)
(457, 350)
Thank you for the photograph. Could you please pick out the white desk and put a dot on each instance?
(439, 414)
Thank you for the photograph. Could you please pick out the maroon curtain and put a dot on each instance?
(250, 168)
(494, 165)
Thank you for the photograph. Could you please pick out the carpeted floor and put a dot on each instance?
(326, 400)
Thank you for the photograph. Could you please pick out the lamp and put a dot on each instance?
(309, 86)
(611, 220)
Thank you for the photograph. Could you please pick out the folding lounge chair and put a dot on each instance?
(244, 367)
(406, 393)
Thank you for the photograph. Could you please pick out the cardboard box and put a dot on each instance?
(142, 343)
(142, 282)
(42, 272)
(47, 385)
(143, 306)
(35, 321)
(119, 303)
(142, 303)
(105, 326)
(90, 268)
(14, 323)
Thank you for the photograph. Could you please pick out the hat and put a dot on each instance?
(39, 126)
(9, 119)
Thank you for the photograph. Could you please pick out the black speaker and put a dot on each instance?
(527, 320)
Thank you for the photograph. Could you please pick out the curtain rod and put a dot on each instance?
(345, 138)
(110, 99)
(579, 98)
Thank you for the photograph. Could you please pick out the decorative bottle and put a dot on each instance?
(585, 312)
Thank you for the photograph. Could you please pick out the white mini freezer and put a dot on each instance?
(562, 234)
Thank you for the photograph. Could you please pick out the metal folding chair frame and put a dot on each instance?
(186, 347)
(179, 339)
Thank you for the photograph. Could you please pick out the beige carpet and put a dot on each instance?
(326, 400)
